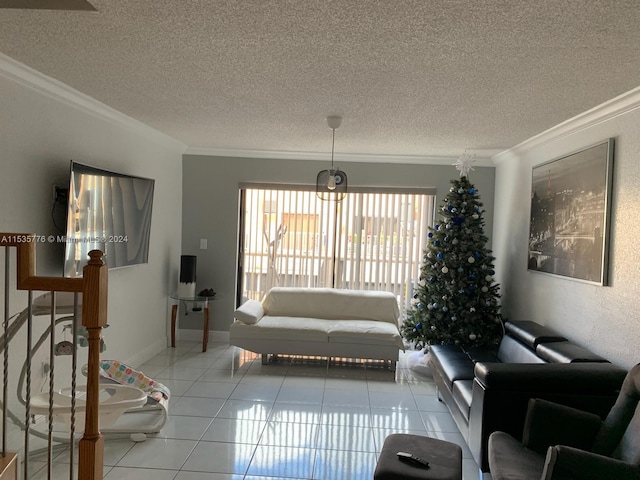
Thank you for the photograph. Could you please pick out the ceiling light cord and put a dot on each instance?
(333, 144)
(331, 182)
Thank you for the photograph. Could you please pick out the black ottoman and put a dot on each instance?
(445, 459)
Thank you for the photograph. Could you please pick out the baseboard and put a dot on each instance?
(191, 335)
(147, 353)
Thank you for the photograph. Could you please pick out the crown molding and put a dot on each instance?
(617, 106)
(345, 157)
(52, 88)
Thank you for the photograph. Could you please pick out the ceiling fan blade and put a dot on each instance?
(48, 4)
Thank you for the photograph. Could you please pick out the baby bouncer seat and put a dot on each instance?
(130, 401)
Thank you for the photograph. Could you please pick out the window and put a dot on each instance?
(372, 240)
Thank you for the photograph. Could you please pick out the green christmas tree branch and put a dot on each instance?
(456, 299)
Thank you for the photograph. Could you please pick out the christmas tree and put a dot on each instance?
(456, 299)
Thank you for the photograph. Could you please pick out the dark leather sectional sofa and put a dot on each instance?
(487, 391)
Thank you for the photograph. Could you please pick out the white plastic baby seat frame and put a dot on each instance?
(116, 399)
(114, 372)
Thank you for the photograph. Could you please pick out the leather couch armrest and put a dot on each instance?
(568, 462)
(550, 377)
(548, 423)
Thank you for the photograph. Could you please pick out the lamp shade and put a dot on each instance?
(323, 184)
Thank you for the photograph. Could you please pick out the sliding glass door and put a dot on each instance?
(372, 240)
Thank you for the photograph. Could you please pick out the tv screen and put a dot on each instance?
(107, 211)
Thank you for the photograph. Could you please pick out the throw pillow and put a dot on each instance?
(250, 312)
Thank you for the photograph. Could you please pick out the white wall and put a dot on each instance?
(43, 125)
(604, 319)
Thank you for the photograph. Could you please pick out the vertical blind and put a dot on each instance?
(372, 240)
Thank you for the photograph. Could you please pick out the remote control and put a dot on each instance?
(413, 460)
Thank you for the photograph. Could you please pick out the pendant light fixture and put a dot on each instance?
(331, 184)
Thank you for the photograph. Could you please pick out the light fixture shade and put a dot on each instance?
(322, 182)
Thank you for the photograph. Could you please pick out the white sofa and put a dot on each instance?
(323, 322)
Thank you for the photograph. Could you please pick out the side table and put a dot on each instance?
(205, 309)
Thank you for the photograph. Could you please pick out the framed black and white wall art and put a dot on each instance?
(570, 214)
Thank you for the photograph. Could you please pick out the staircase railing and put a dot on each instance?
(93, 287)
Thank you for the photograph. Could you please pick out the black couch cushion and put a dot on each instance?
(532, 333)
(452, 362)
(512, 351)
(566, 352)
(482, 354)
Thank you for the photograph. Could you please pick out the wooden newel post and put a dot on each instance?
(94, 317)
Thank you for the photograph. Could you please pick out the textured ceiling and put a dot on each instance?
(410, 77)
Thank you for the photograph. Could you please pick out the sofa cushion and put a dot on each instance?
(250, 312)
(512, 351)
(332, 304)
(532, 333)
(284, 328)
(482, 354)
(452, 363)
(566, 352)
(364, 332)
(462, 396)
(508, 458)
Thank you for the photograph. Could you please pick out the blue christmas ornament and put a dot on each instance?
(445, 309)
(418, 326)
(472, 191)
(478, 255)
(436, 226)
(447, 239)
(472, 276)
(439, 256)
(471, 288)
(430, 234)
(420, 305)
(449, 207)
(436, 243)
(457, 221)
(432, 279)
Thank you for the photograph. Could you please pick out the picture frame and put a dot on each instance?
(570, 214)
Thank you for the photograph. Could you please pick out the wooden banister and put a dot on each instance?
(25, 244)
(93, 286)
(94, 318)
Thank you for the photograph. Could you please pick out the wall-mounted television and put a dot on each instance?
(107, 211)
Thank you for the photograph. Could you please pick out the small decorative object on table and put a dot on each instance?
(187, 285)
